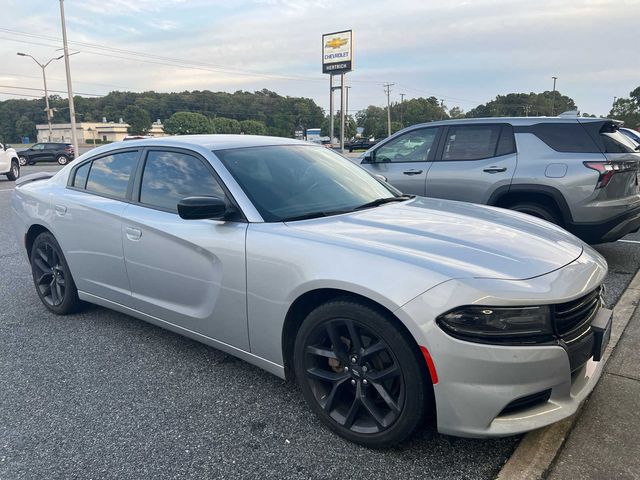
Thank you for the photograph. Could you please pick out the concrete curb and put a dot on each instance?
(538, 449)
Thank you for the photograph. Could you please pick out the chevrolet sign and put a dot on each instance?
(337, 52)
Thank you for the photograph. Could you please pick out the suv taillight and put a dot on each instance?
(609, 169)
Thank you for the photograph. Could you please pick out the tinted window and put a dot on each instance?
(288, 181)
(413, 146)
(54, 146)
(110, 175)
(80, 179)
(169, 177)
(471, 142)
(565, 137)
(38, 146)
(507, 143)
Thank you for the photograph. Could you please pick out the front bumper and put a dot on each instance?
(477, 381)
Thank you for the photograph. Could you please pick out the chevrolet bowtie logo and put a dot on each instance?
(336, 43)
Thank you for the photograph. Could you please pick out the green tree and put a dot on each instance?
(524, 104)
(187, 123)
(628, 109)
(253, 127)
(138, 119)
(225, 125)
(26, 128)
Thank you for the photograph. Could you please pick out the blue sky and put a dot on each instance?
(465, 52)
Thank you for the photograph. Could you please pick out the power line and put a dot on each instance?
(56, 91)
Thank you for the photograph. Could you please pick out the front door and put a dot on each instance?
(190, 273)
(405, 160)
(474, 160)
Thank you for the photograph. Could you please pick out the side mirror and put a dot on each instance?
(202, 208)
(369, 157)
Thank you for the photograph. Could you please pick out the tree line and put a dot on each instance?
(266, 113)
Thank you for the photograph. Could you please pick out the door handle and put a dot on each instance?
(61, 210)
(495, 169)
(133, 233)
(412, 172)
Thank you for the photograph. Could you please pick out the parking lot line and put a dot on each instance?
(6, 189)
(629, 241)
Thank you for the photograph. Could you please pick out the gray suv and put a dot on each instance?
(579, 173)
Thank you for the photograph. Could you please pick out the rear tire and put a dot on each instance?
(52, 277)
(62, 160)
(539, 211)
(360, 374)
(14, 173)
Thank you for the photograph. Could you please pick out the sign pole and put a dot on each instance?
(331, 108)
(342, 115)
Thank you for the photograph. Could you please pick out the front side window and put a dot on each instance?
(38, 146)
(471, 142)
(110, 175)
(168, 177)
(413, 146)
(288, 181)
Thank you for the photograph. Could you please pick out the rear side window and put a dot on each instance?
(471, 142)
(169, 177)
(110, 175)
(609, 138)
(80, 179)
(563, 137)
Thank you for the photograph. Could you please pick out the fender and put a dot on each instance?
(551, 192)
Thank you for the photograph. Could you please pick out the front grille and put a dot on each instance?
(573, 319)
(529, 401)
(572, 322)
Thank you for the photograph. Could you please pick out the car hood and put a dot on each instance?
(455, 239)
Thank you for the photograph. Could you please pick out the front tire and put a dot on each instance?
(361, 374)
(52, 277)
(62, 160)
(14, 173)
(23, 160)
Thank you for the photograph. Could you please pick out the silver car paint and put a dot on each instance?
(407, 257)
(467, 180)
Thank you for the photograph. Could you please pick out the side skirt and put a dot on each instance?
(260, 362)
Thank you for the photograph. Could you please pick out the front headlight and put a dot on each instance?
(520, 325)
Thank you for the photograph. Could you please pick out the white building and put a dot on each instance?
(91, 132)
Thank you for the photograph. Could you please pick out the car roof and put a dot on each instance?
(218, 142)
(520, 121)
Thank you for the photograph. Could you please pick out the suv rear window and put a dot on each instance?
(609, 138)
(563, 137)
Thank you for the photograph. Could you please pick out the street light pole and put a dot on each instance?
(43, 66)
(553, 95)
(72, 108)
(401, 103)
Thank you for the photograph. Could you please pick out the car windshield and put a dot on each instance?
(289, 182)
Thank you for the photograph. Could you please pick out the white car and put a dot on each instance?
(9, 163)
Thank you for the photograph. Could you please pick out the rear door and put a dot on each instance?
(190, 273)
(50, 151)
(405, 159)
(88, 223)
(38, 152)
(473, 160)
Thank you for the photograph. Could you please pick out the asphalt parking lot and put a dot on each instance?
(103, 395)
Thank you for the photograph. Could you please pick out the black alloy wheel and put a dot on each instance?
(51, 276)
(360, 374)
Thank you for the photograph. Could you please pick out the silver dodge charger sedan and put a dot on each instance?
(387, 309)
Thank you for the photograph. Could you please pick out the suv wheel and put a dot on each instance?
(22, 160)
(14, 173)
(62, 160)
(360, 374)
(537, 210)
(52, 277)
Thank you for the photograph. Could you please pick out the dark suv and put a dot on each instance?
(579, 173)
(62, 153)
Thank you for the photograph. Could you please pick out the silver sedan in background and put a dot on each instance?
(387, 309)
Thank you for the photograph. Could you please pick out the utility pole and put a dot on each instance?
(72, 108)
(442, 109)
(526, 110)
(387, 87)
(553, 95)
(46, 92)
(401, 104)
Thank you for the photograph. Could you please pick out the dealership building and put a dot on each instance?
(91, 132)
